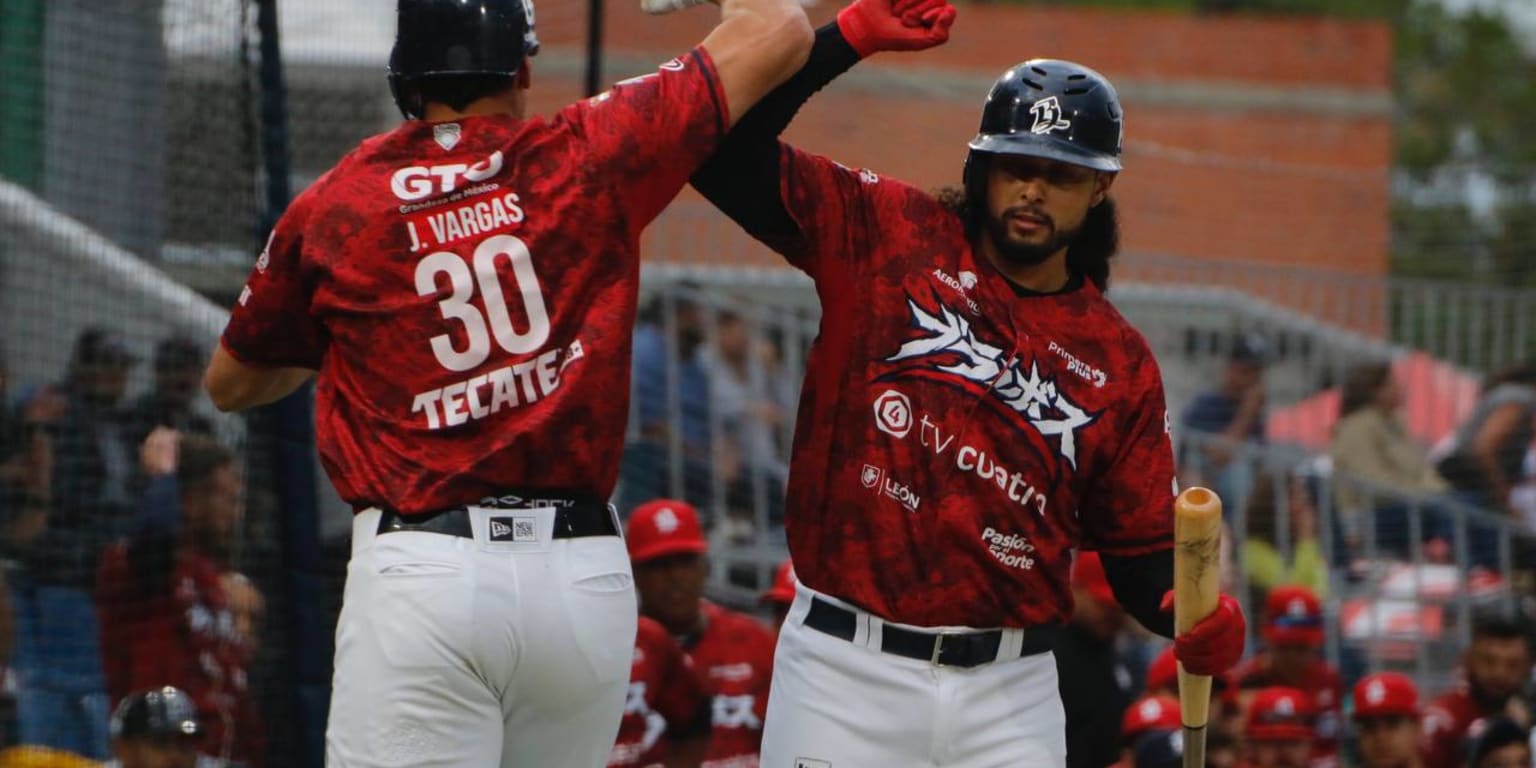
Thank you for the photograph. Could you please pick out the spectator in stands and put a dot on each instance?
(1146, 715)
(1293, 634)
(666, 375)
(1371, 442)
(1498, 742)
(26, 465)
(1226, 418)
(733, 652)
(1280, 729)
(1266, 565)
(178, 365)
(62, 700)
(158, 728)
(166, 618)
(1226, 715)
(1486, 457)
(1495, 669)
(1094, 681)
(782, 594)
(743, 401)
(1387, 721)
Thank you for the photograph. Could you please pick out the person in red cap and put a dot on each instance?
(667, 708)
(1496, 666)
(1387, 721)
(1293, 636)
(733, 651)
(1280, 731)
(1227, 712)
(782, 594)
(1145, 715)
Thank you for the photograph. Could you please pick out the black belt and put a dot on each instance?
(575, 517)
(945, 649)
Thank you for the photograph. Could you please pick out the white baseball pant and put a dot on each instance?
(841, 704)
(468, 653)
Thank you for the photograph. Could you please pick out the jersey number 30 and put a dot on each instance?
(458, 307)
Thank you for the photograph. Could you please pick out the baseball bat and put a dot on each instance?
(1196, 589)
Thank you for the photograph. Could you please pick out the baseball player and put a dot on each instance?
(667, 710)
(1387, 721)
(1145, 715)
(1280, 730)
(465, 286)
(1494, 669)
(732, 651)
(1293, 634)
(974, 410)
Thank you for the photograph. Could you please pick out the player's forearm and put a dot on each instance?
(757, 45)
(742, 177)
(1139, 583)
(234, 386)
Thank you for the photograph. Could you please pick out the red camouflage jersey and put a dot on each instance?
(467, 291)
(1327, 688)
(185, 637)
(1446, 722)
(956, 441)
(665, 688)
(735, 657)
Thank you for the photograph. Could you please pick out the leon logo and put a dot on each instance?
(871, 476)
(1048, 116)
(893, 413)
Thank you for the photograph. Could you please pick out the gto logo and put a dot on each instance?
(420, 181)
(893, 413)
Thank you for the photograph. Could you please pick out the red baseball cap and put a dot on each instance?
(1279, 714)
(1149, 713)
(1163, 675)
(1088, 576)
(783, 589)
(1385, 694)
(1293, 616)
(664, 527)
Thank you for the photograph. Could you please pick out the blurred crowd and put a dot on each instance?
(125, 629)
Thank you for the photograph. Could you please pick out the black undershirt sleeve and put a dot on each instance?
(1139, 583)
(742, 177)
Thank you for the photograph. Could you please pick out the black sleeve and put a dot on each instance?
(742, 177)
(1139, 583)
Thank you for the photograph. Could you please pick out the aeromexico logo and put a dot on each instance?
(946, 348)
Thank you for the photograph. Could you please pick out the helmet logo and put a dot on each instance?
(1048, 116)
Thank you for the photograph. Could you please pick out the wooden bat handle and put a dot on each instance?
(1196, 590)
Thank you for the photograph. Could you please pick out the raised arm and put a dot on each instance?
(757, 45)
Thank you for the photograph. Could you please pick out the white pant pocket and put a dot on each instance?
(601, 605)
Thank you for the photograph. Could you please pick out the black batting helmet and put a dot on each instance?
(435, 38)
(1053, 109)
(156, 713)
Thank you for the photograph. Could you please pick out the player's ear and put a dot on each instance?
(1101, 184)
(525, 74)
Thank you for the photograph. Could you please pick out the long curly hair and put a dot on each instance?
(1089, 255)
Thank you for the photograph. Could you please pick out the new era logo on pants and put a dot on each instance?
(806, 762)
(513, 529)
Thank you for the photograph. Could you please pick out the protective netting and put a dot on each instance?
(137, 527)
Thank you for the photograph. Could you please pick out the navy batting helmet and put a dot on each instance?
(1053, 109)
(156, 713)
(435, 38)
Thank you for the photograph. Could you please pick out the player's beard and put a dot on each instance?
(1027, 254)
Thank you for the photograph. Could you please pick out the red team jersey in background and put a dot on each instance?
(1446, 722)
(734, 655)
(481, 276)
(980, 435)
(665, 689)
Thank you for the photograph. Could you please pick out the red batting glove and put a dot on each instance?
(1215, 643)
(871, 26)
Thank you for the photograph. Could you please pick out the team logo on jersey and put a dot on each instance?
(967, 279)
(947, 349)
(446, 135)
(1048, 116)
(871, 475)
(893, 413)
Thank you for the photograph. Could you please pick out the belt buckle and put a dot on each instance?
(938, 648)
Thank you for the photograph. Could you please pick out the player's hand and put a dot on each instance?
(1215, 643)
(871, 26)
